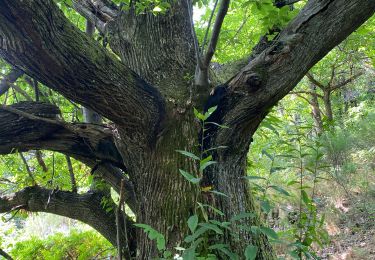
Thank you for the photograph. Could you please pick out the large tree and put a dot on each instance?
(141, 85)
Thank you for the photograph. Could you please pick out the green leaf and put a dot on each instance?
(195, 235)
(218, 125)
(189, 254)
(254, 177)
(167, 254)
(305, 197)
(292, 182)
(198, 115)
(202, 206)
(207, 159)
(279, 189)
(269, 232)
(205, 165)
(145, 227)
(212, 227)
(266, 206)
(215, 148)
(209, 112)
(160, 243)
(219, 193)
(230, 254)
(188, 154)
(189, 177)
(251, 252)
(267, 154)
(193, 223)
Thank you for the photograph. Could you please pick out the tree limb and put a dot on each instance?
(90, 144)
(97, 12)
(306, 92)
(202, 77)
(315, 82)
(71, 174)
(28, 169)
(72, 63)
(345, 82)
(278, 69)
(5, 255)
(83, 207)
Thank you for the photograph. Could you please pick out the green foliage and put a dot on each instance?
(77, 245)
(153, 235)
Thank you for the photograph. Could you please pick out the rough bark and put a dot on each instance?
(84, 207)
(37, 38)
(91, 144)
(151, 120)
(32, 125)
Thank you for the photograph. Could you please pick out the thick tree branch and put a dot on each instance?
(91, 144)
(83, 207)
(75, 65)
(274, 72)
(38, 128)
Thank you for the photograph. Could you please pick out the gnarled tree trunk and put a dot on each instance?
(149, 96)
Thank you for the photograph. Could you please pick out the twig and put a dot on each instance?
(208, 27)
(9, 79)
(39, 158)
(71, 173)
(28, 168)
(196, 47)
(21, 91)
(201, 77)
(306, 92)
(122, 195)
(345, 82)
(223, 9)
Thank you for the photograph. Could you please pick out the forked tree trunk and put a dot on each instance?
(166, 199)
(150, 94)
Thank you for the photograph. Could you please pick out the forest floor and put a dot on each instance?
(353, 230)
